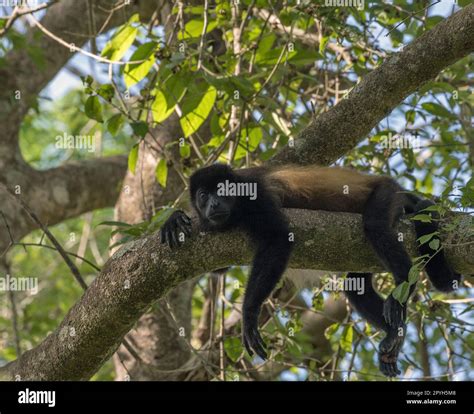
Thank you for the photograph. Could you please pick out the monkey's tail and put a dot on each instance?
(440, 273)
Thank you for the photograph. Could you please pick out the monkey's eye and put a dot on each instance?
(202, 196)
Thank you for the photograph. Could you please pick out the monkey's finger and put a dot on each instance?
(247, 346)
(392, 370)
(186, 218)
(165, 237)
(260, 351)
(260, 341)
(185, 223)
(184, 229)
(257, 345)
(174, 239)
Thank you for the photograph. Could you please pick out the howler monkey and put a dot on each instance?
(216, 198)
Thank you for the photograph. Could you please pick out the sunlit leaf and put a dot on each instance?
(161, 172)
(120, 42)
(194, 29)
(196, 109)
(135, 72)
(132, 159)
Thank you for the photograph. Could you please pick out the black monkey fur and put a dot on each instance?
(379, 199)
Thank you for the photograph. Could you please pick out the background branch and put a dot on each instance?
(338, 130)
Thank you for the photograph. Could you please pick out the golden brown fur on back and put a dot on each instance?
(322, 188)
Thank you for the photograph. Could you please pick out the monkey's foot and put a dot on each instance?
(251, 338)
(394, 312)
(388, 352)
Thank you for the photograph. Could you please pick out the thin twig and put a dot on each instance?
(74, 48)
(222, 329)
(59, 248)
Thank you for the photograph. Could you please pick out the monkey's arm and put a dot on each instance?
(270, 262)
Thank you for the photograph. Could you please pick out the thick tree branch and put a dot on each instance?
(144, 271)
(59, 193)
(335, 132)
(73, 188)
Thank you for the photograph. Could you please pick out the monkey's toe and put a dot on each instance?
(253, 342)
(389, 369)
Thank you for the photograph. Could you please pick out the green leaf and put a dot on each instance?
(159, 108)
(93, 108)
(107, 92)
(271, 57)
(437, 110)
(185, 150)
(318, 301)
(139, 128)
(115, 123)
(424, 218)
(161, 172)
(87, 80)
(401, 292)
(323, 43)
(266, 43)
(121, 41)
(410, 116)
(426, 238)
(194, 29)
(346, 339)
(135, 72)
(132, 158)
(255, 135)
(413, 275)
(434, 244)
(303, 57)
(233, 348)
(196, 109)
(167, 97)
(114, 223)
(331, 330)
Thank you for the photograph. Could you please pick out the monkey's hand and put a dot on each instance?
(251, 338)
(389, 349)
(175, 229)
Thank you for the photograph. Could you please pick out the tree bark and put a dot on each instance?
(144, 271)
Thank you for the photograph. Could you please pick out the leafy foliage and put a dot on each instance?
(242, 106)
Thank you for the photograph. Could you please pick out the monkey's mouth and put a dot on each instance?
(219, 216)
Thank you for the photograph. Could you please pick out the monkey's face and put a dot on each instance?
(210, 196)
(215, 210)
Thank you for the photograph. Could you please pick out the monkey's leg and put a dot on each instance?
(437, 268)
(370, 306)
(383, 208)
(271, 259)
